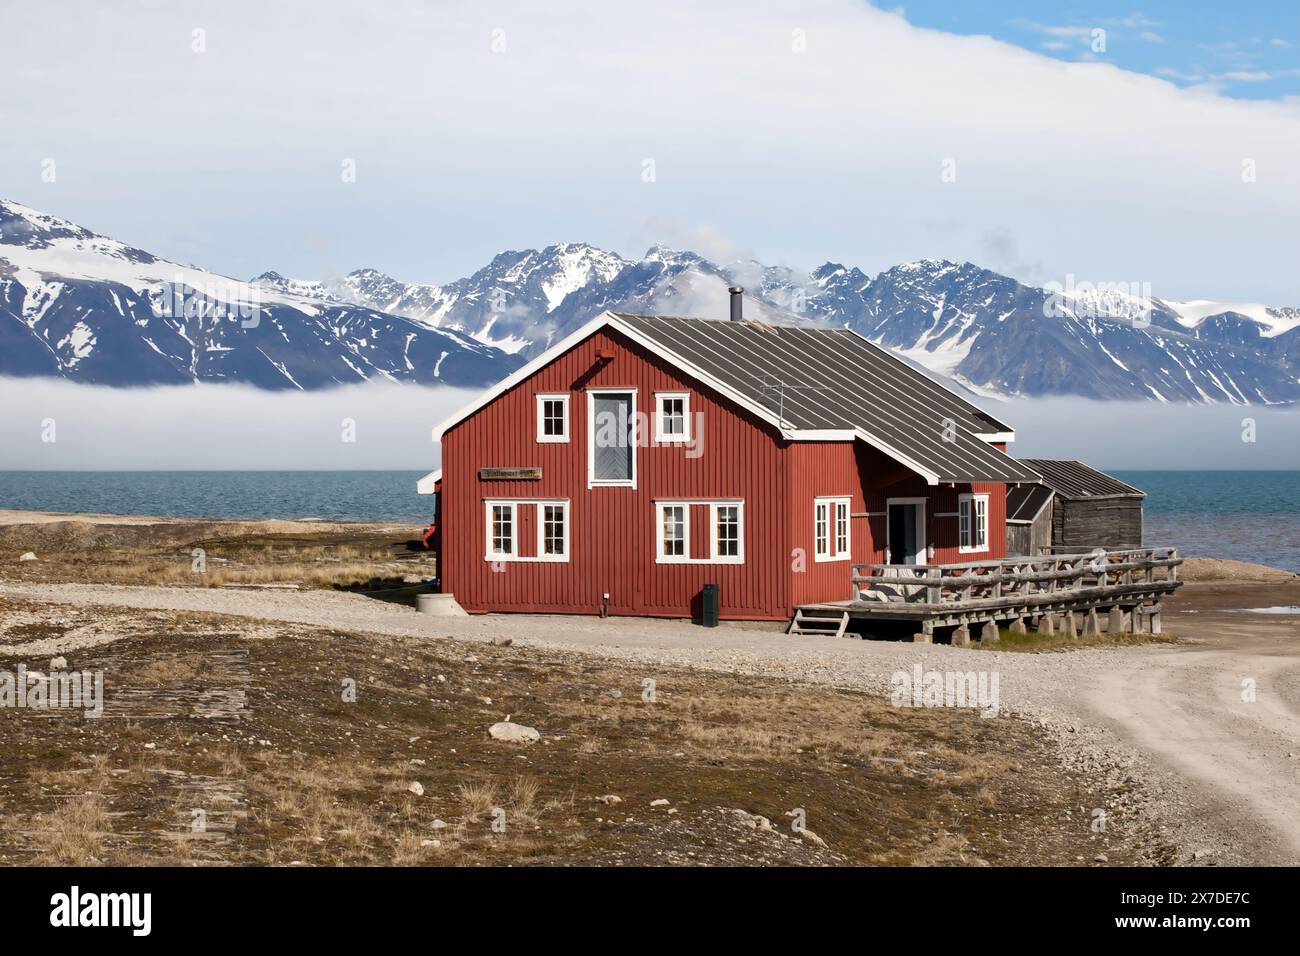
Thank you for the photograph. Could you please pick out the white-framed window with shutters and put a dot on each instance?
(672, 418)
(553, 418)
(726, 543)
(973, 522)
(832, 535)
(502, 520)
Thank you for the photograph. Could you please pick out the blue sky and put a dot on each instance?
(1249, 50)
(216, 132)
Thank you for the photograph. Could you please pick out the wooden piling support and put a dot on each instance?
(1115, 623)
(1091, 626)
(1047, 625)
(1018, 626)
(961, 636)
(989, 633)
(1070, 628)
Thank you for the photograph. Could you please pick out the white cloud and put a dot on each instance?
(231, 157)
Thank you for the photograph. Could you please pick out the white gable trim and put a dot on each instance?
(428, 484)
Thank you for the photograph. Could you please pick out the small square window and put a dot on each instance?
(672, 418)
(552, 418)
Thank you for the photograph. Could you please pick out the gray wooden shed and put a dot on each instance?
(1088, 509)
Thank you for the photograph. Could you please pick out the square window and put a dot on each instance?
(552, 418)
(672, 417)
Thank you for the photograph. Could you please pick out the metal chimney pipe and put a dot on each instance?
(737, 300)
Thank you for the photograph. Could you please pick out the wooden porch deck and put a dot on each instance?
(1068, 592)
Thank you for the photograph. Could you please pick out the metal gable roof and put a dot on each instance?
(826, 379)
(1074, 479)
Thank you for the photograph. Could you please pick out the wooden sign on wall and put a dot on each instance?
(509, 474)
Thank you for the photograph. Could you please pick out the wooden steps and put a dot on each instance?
(817, 621)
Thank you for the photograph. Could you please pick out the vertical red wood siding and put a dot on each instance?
(613, 530)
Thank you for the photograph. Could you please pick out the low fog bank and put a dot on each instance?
(1149, 435)
(236, 427)
(220, 427)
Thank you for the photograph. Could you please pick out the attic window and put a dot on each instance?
(672, 417)
(552, 418)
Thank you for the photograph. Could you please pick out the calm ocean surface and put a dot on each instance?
(1245, 515)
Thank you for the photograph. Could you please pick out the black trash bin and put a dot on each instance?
(709, 606)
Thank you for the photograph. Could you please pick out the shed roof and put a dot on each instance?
(1074, 479)
(833, 380)
(1024, 502)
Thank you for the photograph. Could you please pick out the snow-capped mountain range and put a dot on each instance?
(92, 309)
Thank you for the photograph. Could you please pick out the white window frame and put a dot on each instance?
(489, 552)
(660, 556)
(542, 437)
(515, 505)
(968, 512)
(541, 531)
(663, 438)
(833, 505)
(714, 556)
(634, 438)
(713, 505)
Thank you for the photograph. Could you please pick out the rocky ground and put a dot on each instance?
(1155, 738)
(230, 740)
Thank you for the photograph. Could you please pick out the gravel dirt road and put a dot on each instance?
(1202, 736)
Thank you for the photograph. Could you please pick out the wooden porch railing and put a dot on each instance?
(1011, 578)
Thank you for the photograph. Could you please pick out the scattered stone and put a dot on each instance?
(503, 641)
(416, 788)
(439, 824)
(1202, 854)
(150, 746)
(661, 802)
(609, 798)
(514, 733)
(58, 663)
(753, 820)
(810, 837)
(27, 556)
(1101, 858)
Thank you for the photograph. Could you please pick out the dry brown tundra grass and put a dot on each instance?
(73, 834)
(224, 562)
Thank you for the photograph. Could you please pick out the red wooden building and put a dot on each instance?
(644, 456)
